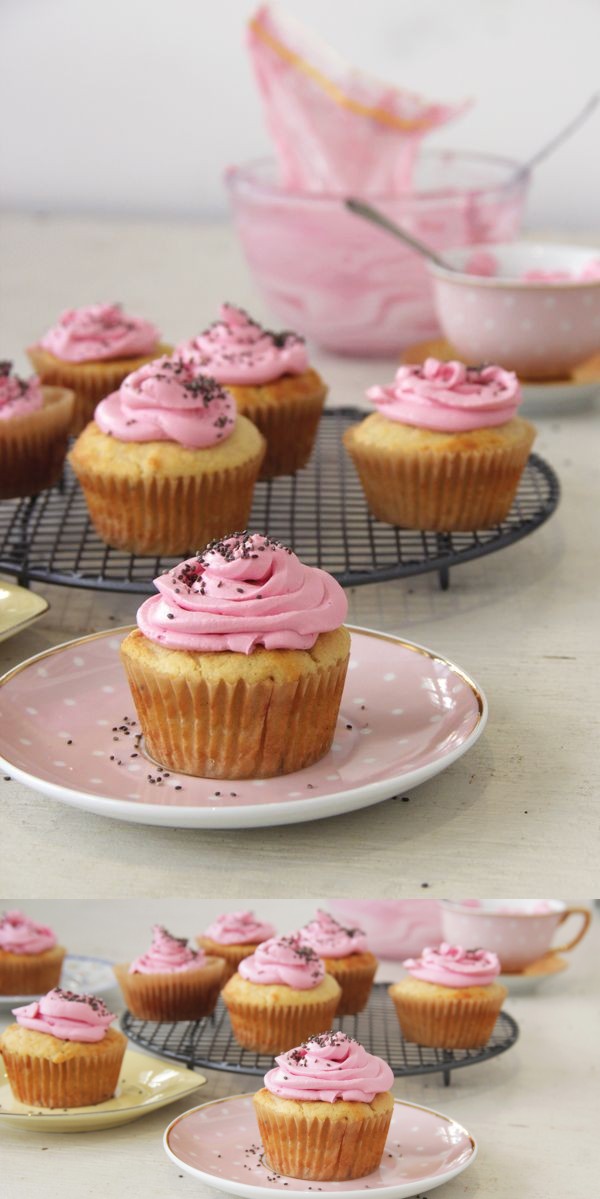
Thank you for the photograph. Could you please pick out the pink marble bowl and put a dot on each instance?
(540, 329)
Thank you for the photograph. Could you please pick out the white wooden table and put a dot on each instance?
(520, 810)
(532, 1110)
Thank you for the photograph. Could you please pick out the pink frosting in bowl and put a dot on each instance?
(449, 397)
(99, 331)
(452, 966)
(168, 400)
(239, 928)
(167, 955)
(20, 935)
(18, 397)
(330, 939)
(240, 593)
(236, 350)
(284, 960)
(67, 1016)
(329, 1067)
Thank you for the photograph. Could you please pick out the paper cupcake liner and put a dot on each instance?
(30, 973)
(33, 447)
(442, 492)
(330, 1149)
(290, 429)
(184, 995)
(356, 983)
(168, 515)
(270, 1029)
(85, 1079)
(231, 954)
(90, 381)
(448, 1023)
(235, 730)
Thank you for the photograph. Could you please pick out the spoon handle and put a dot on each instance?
(560, 137)
(378, 218)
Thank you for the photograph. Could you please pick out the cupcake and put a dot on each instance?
(91, 350)
(325, 1110)
(280, 996)
(345, 956)
(238, 664)
(451, 999)
(445, 449)
(30, 959)
(171, 981)
(271, 381)
(34, 429)
(61, 1052)
(167, 465)
(234, 936)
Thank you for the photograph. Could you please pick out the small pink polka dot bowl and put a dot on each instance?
(529, 306)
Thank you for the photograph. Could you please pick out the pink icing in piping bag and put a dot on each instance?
(67, 1016)
(236, 350)
(284, 960)
(167, 955)
(449, 397)
(329, 1067)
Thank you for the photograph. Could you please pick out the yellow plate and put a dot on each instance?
(146, 1084)
(18, 608)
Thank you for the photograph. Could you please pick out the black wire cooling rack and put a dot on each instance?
(210, 1042)
(320, 512)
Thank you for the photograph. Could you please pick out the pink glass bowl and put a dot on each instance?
(350, 286)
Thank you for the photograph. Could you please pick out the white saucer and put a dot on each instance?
(86, 976)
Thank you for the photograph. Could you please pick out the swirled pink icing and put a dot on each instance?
(237, 350)
(452, 966)
(242, 592)
(448, 396)
(18, 397)
(239, 928)
(330, 939)
(168, 400)
(284, 960)
(99, 331)
(329, 1067)
(19, 934)
(67, 1016)
(167, 955)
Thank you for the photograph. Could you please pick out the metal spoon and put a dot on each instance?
(378, 218)
(558, 139)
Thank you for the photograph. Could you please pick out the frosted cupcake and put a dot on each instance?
(171, 981)
(325, 1110)
(451, 999)
(235, 936)
(30, 958)
(280, 996)
(445, 449)
(166, 465)
(34, 429)
(238, 663)
(269, 376)
(345, 956)
(62, 1052)
(91, 350)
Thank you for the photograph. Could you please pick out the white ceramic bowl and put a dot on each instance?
(540, 329)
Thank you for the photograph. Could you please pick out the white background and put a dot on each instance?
(136, 106)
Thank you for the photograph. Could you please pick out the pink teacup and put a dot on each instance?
(520, 931)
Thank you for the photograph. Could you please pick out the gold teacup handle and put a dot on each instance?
(587, 916)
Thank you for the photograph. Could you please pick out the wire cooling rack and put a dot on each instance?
(210, 1042)
(320, 512)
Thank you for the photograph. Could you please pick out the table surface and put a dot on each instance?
(532, 1110)
(518, 811)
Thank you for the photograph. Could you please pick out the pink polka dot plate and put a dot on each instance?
(67, 729)
(219, 1144)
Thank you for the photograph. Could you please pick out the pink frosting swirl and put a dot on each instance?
(18, 397)
(168, 400)
(237, 350)
(99, 331)
(330, 939)
(67, 1016)
(449, 397)
(19, 934)
(167, 955)
(239, 593)
(284, 960)
(329, 1067)
(452, 966)
(239, 928)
